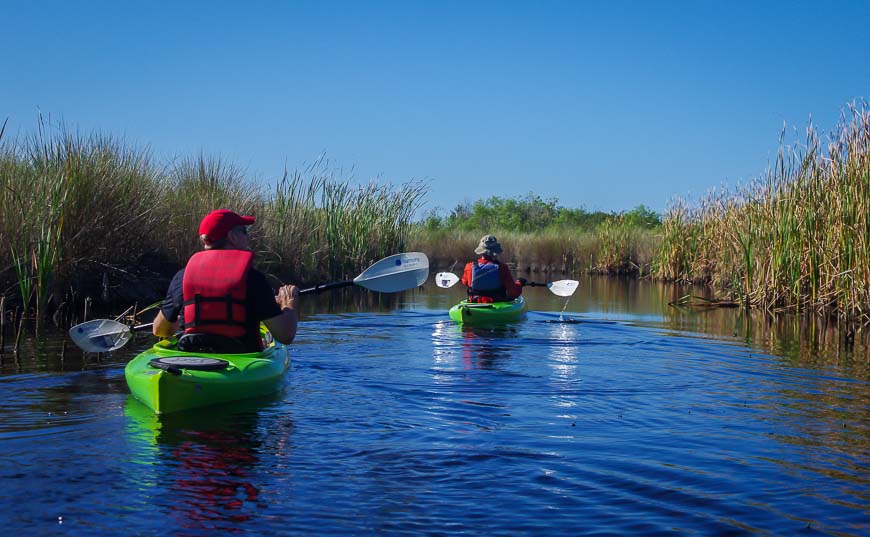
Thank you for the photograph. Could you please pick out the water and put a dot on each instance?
(631, 418)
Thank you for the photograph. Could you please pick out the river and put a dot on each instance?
(609, 413)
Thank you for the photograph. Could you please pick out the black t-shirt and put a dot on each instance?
(259, 305)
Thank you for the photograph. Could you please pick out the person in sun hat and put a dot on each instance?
(487, 279)
(219, 299)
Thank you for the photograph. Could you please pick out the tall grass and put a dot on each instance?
(290, 224)
(624, 248)
(35, 222)
(90, 215)
(318, 224)
(797, 239)
(193, 186)
(71, 205)
(613, 247)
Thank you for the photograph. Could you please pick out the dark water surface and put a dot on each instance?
(636, 419)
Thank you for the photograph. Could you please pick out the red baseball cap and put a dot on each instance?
(217, 224)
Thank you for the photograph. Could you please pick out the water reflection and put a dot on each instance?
(806, 341)
(347, 300)
(209, 478)
(479, 347)
(564, 355)
(802, 341)
(482, 348)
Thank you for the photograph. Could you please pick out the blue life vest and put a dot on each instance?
(485, 279)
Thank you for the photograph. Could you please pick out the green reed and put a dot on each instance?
(796, 239)
(92, 216)
(333, 228)
(193, 186)
(32, 205)
(290, 226)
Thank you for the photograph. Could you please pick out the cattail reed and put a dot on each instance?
(797, 239)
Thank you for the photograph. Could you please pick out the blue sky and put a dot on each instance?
(603, 105)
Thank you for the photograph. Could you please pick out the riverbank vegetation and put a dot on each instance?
(797, 239)
(92, 219)
(539, 235)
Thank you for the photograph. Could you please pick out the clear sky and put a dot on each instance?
(603, 105)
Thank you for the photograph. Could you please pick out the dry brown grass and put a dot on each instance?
(798, 239)
(615, 249)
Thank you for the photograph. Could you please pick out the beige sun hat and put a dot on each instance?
(489, 245)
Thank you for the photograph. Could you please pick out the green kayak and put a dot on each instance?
(496, 313)
(168, 380)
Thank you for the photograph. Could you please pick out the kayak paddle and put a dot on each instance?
(391, 274)
(560, 287)
(446, 279)
(103, 335)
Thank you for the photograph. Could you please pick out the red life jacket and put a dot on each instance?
(214, 288)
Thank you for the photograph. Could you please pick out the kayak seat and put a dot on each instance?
(175, 364)
(211, 344)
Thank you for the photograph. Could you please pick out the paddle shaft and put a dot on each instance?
(527, 284)
(326, 286)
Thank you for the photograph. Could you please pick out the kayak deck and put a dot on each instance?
(171, 389)
(493, 313)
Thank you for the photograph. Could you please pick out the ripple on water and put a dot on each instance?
(405, 423)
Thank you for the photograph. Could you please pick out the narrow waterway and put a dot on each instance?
(606, 413)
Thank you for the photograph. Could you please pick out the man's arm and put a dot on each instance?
(512, 288)
(283, 326)
(170, 308)
(163, 327)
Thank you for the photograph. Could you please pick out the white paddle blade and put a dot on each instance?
(395, 273)
(446, 279)
(563, 287)
(100, 335)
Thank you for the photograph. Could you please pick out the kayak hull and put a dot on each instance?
(246, 375)
(487, 314)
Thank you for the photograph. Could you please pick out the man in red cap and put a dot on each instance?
(219, 299)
